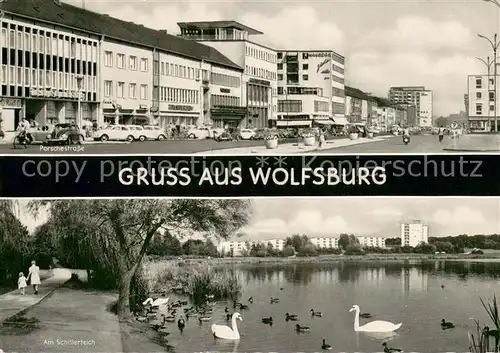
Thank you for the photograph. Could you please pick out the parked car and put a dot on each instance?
(246, 134)
(65, 134)
(114, 133)
(154, 132)
(199, 132)
(138, 132)
(225, 136)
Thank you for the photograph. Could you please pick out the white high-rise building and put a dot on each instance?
(418, 96)
(414, 233)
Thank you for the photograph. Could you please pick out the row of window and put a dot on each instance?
(291, 78)
(179, 95)
(315, 91)
(181, 71)
(224, 101)
(305, 56)
(121, 61)
(479, 95)
(258, 94)
(261, 54)
(479, 108)
(46, 42)
(121, 90)
(321, 106)
(290, 106)
(225, 80)
(46, 79)
(479, 82)
(258, 72)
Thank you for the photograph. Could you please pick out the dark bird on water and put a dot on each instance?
(446, 325)
(250, 300)
(442, 286)
(365, 315)
(300, 328)
(390, 350)
(491, 333)
(181, 324)
(325, 346)
(267, 320)
(291, 317)
(316, 313)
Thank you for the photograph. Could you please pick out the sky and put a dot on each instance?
(282, 217)
(432, 43)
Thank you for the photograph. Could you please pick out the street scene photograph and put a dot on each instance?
(250, 275)
(243, 77)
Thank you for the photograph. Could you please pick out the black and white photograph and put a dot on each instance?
(242, 77)
(250, 275)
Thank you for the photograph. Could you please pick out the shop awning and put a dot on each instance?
(293, 123)
(324, 122)
(340, 121)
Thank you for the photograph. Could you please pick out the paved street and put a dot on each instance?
(419, 144)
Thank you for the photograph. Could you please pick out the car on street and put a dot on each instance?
(114, 133)
(246, 134)
(154, 132)
(138, 132)
(199, 132)
(65, 134)
(40, 133)
(225, 136)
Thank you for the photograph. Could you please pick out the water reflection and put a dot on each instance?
(414, 280)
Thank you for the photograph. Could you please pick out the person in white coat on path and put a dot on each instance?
(34, 276)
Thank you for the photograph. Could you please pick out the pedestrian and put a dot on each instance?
(21, 283)
(34, 276)
(441, 133)
(321, 138)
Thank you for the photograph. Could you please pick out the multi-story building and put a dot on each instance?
(259, 80)
(57, 58)
(277, 244)
(356, 105)
(414, 233)
(480, 102)
(48, 70)
(418, 96)
(372, 242)
(325, 242)
(310, 88)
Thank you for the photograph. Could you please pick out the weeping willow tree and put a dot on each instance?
(115, 234)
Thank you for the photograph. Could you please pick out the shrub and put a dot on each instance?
(288, 251)
(308, 250)
(354, 249)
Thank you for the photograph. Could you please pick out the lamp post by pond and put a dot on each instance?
(494, 45)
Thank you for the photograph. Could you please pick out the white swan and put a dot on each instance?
(157, 302)
(374, 326)
(226, 332)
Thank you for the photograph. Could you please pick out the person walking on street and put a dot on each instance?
(34, 276)
(441, 133)
(321, 138)
(21, 283)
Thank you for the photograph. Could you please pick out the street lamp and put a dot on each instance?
(79, 80)
(494, 45)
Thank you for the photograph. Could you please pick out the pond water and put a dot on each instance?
(410, 293)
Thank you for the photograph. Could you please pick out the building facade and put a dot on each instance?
(49, 74)
(480, 101)
(414, 233)
(259, 79)
(310, 88)
(325, 242)
(372, 242)
(127, 83)
(418, 96)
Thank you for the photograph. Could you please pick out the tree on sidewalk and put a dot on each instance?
(118, 232)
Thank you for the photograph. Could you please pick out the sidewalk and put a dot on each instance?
(293, 148)
(71, 321)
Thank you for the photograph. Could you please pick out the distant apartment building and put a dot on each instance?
(310, 88)
(414, 233)
(259, 97)
(372, 242)
(325, 242)
(480, 102)
(418, 96)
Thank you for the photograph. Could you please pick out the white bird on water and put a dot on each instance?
(374, 326)
(155, 302)
(226, 332)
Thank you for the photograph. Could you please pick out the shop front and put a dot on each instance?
(182, 115)
(228, 117)
(10, 113)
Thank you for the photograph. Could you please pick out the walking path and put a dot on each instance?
(293, 148)
(68, 320)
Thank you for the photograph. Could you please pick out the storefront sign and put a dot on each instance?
(225, 90)
(259, 82)
(184, 108)
(319, 55)
(10, 102)
(54, 93)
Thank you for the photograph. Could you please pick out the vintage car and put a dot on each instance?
(115, 133)
(225, 136)
(154, 132)
(65, 134)
(199, 132)
(138, 132)
(39, 133)
(247, 134)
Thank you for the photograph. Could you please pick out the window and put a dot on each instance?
(108, 58)
(280, 66)
(19, 40)
(41, 44)
(280, 77)
(132, 91)
(479, 82)
(26, 77)
(478, 95)
(479, 109)
(120, 61)
(492, 81)
(27, 42)
(120, 89)
(108, 88)
(492, 96)
(144, 65)
(280, 55)
(305, 77)
(34, 79)
(144, 91)
(305, 66)
(4, 37)
(4, 74)
(41, 78)
(132, 63)
(492, 108)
